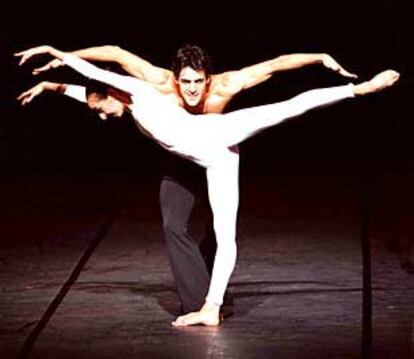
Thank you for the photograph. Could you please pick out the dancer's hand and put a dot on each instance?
(329, 62)
(27, 96)
(45, 49)
(50, 65)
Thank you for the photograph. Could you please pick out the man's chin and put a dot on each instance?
(193, 103)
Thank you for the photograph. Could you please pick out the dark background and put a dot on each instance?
(364, 37)
(305, 185)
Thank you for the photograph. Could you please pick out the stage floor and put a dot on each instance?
(297, 285)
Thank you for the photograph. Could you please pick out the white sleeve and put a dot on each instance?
(125, 83)
(76, 92)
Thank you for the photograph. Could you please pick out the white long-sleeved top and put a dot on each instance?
(192, 136)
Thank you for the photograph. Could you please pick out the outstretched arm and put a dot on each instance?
(129, 62)
(124, 83)
(250, 76)
(74, 91)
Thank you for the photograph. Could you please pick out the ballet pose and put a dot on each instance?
(192, 84)
(206, 140)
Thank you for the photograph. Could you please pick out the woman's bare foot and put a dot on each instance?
(207, 315)
(377, 83)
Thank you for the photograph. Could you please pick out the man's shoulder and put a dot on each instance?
(167, 85)
(225, 84)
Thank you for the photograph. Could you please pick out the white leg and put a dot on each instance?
(223, 191)
(239, 125)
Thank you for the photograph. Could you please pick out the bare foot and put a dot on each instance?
(377, 83)
(207, 315)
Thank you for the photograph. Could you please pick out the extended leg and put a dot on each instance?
(240, 125)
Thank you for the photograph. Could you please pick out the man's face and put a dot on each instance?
(105, 106)
(192, 86)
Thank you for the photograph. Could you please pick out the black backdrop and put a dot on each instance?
(365, 37)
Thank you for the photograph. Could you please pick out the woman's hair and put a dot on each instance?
(96, 87)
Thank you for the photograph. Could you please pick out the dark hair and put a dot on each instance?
(191, 56)
(100, 88)
(96, 87)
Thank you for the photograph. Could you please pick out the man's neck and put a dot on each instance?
(195, 110)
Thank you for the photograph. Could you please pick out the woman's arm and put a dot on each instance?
(121, 82)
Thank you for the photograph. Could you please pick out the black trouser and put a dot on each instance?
(191, 268)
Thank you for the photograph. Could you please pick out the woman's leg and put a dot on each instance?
(223, 191)
(237, 126)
